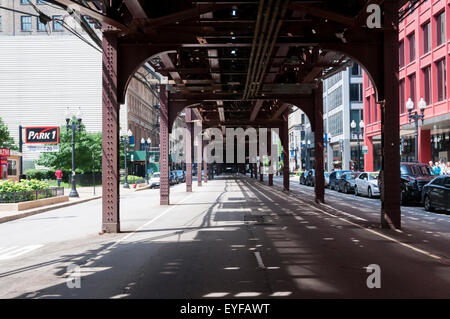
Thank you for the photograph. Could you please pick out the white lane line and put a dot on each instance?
(17, 251)
(259, 260)
(107, 249)
(421, 251)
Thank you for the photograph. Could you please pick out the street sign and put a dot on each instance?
(43, 148)
(42, 135)
(365, 149)
(4, 152)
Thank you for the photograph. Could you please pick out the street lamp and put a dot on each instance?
(416, 117)
(358, 132)
(125, 139)
(73, 125)
(308, 163)
(147, 148)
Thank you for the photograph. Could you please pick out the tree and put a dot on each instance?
(6, 141)
(85, 144)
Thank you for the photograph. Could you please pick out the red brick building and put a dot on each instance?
(424, 48)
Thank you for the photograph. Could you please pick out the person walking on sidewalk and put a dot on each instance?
(59, 175)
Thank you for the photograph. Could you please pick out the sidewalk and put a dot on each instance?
(86, 194)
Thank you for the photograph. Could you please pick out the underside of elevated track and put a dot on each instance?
(246, 64)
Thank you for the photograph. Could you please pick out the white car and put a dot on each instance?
(367, 184)
(154, 180)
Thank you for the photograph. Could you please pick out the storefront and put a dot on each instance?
(9, 165)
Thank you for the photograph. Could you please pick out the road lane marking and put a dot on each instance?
(259, 260)
(418, 250)
(16, 251)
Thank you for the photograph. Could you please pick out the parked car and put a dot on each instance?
(334, 178)
(154, 180)
(414, 177)
(367, 183)
(303, 176)
(347, 182)
(326, 175)
(181, 176)
(436, 194)
(310, 178)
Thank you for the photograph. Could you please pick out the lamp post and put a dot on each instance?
(416, 117)
(125, 139)
(147, 148)
(308, 167)
(73, 125)
(358, 132)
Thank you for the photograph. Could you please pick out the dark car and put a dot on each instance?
(347, 182)
(310, 178)
(303, 176)
(334, 178)
(414, 176)
(181, 176)
(436, 194)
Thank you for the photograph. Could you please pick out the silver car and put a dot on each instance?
(367, 184)
(154, 180)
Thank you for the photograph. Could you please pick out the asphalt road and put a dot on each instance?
(429, 230)
(232, 238)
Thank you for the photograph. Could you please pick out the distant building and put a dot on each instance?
(45, 69)
(423, 64)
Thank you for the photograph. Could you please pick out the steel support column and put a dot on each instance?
(199, 159)
(269, 153)
(261, 175)
(390, 126)
(285, 142)
(189, 136)
(319, 183)
(205, 164)
(110, 140)
(164, 184)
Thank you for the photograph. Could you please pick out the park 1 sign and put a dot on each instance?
(43, 135)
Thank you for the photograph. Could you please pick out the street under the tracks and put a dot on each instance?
(234, 237)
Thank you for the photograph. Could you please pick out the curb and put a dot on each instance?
(45, 209)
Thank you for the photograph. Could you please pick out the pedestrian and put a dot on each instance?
(59, 175)
(437, 168)
(442, 166)
(447, 169)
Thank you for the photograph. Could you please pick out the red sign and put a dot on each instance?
(44, 135)
(4, 152)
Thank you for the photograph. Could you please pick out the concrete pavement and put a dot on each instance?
(232, 238)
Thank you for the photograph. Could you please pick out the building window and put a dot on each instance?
(332, 80)
(441, 80)
(356, 92)
(369, 111)
(412, 87)
(335, 124)
(324, 105)
(25, 23)
(402, 96)
(426, 32)
(401, 54)
(12, 168)
(57, 23)
(412, 47)
(427, 84)
(24, 1)
(40, 26)
(356, 69)
(335, 98)
(440, 28)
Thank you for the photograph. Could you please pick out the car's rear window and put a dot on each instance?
(416, 170)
